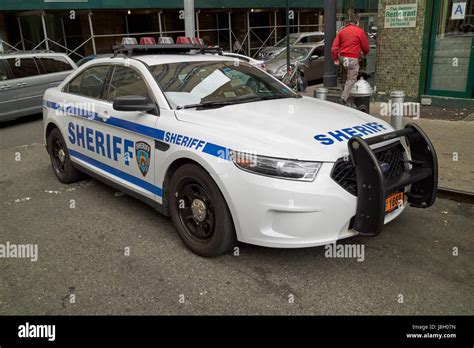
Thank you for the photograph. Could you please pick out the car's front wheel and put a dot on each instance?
(60, 159)
(200, 213)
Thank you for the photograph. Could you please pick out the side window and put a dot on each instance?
(126, 81)
(89, 83)
(22, 67)
(315, 38)
(319, 51)
(3, 72)
(54, 64)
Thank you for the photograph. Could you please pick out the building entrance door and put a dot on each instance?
(451, 57)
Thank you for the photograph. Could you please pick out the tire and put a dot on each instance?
(192, 192)
(60, 160)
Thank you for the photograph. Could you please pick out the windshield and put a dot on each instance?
(189, 83)
(282, 42)
(296, 53)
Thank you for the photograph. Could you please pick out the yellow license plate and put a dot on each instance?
(393, 201)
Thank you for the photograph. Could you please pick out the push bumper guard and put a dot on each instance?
(372, 187)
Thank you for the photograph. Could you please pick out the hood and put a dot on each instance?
(274, 64)
(303, 129)
(267, 52)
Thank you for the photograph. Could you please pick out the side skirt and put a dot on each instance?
(155, 205)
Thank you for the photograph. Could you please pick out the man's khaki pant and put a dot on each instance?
(352, 67)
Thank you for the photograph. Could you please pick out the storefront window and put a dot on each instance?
(451, 52)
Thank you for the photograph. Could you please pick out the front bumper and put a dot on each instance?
(372, 188)
(290, 214)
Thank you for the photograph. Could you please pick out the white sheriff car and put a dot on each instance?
(231, 153)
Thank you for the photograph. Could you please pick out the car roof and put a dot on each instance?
(308, 45)
(232, 54)
(309, 33)
(156, 59)
(32, 54)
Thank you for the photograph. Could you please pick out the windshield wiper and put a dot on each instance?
(209, 104)
(269, 97)
(221, 103)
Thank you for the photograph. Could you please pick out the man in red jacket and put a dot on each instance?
(348, 44)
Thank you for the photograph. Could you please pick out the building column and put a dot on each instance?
(189, 18)
(330, 74)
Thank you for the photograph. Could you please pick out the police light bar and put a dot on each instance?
(131, 50)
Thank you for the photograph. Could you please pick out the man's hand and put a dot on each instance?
(336, 62)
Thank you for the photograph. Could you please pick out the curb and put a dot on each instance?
(456, 195)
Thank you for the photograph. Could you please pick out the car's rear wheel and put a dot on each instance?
(60, 159)
(200, 213)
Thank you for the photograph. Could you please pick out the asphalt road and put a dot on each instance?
(81, 252)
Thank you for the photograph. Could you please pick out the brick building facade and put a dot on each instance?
(399, 53)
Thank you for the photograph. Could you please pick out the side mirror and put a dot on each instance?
(134, 103)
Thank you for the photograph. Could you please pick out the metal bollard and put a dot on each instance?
(397, 99)
(321, 93)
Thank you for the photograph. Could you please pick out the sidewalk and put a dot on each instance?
(454, 144)
(453, 141)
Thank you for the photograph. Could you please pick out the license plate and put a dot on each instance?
(393, 201)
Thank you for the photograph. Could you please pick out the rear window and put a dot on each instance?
(23, 67)
(89, 83)
(54, 64)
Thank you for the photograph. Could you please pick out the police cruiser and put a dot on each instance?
(230, 153)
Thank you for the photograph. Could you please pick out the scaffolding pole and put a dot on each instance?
(230, 31)
(287, 14)
(91, 28)
(45, 31)
(197, 24)
(298, 21)
(126, 24)
(275, 26)
(248, 34)
(217, 29)
(21, 33)
(64, 32)
(159, 24)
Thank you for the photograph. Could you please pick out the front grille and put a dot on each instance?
(345, 175)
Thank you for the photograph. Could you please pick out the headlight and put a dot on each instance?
(276, 167)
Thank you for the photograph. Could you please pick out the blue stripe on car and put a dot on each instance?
(158, 134)
(118, 173)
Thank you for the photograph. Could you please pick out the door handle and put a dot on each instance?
(21, 84)
(104, 115)
(5, 87)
